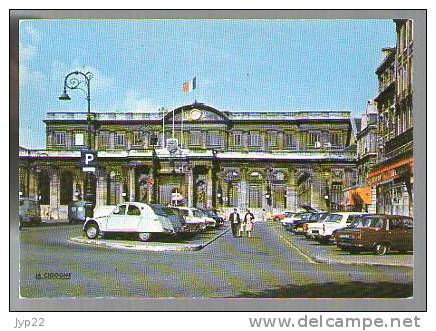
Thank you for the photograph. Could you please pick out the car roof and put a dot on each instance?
(348, 213)
(386, 216)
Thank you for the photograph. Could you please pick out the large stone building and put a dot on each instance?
(277, 160)
(392, 176)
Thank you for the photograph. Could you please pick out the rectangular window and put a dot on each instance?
(137, 138)
(214, 139)
(237, 139)
(290, 141)
(59, 138)
(272, 138)
(255, 139)
(120, 139)
(103, 139)
(196, 138)
(78, 139)
(314, 139)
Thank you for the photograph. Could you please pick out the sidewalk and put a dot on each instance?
(331, 254)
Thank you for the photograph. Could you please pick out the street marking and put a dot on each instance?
(299, 250)
(215, 238)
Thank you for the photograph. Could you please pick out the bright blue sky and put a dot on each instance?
(241, 65)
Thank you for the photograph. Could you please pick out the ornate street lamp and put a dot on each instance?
(76, 80)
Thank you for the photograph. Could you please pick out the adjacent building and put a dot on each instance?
(360, 197)
(258, 160)
(392, 175)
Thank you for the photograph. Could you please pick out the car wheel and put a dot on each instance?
(91, 231)
(144, 236)
(381, 249)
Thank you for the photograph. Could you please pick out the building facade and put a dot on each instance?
(360, 197)
(263, 160)
(392, 175)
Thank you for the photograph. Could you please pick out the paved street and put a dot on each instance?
(267, 265)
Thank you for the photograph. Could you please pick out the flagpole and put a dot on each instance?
(182, 133)
(173, 122)
(163, 127)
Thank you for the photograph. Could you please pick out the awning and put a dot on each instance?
(358, 194)
(390, 171)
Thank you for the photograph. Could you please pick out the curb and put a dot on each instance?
(50, 225)
(377, 264)
(142, 247)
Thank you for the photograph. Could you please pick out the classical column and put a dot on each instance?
(131, 178)
(291, 191)
(54, 194)
(243, 196)
(101, 190)
(189, 179)
(209, 188)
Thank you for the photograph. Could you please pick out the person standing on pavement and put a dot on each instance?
(235, 221)
(248, 220)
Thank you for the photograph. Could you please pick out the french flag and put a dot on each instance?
(189, 85)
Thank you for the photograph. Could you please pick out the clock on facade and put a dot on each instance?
(195, 114)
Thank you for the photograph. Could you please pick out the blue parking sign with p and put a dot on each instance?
(88, 160)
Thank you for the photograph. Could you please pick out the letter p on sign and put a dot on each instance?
(88, 160)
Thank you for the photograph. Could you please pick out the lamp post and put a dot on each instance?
(153, 143)
(76, 80)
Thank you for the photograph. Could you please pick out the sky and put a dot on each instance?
(240, 65)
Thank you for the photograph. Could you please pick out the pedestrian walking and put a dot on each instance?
(249, 220)
(235, 221)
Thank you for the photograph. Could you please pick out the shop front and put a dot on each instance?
(394, 188)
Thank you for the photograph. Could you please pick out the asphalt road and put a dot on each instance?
(266, 265)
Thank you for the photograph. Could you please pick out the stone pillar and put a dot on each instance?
(101, 190)
(131, 179)
(33, 183)
(243, 194)
(189, 177)
(291, 192)
(318, 189)
(209, 188)
(280, 140)
(54, 195)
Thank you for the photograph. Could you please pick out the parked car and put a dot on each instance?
(298, 225)
(297, 221)
(210, 222)
(29, 212)
(323, 231)
(377, 233)
(314, 218)
(138, 218)
(76, 211)
(280, 216)
(288, 221)
(193, 217)
(213, 214)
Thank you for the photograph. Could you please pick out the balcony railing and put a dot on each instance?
(73, 116)
(398, 141)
